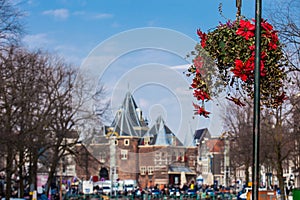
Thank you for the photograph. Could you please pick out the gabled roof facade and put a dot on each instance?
(161, 135)
(128, 120)
(215, 145)
(130, 107)
(123, 125)
(200, 135)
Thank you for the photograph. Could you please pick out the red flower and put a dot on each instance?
(281, 98)
(263, 55)
(201, 95)
(272, 45)
(274, 37)
(246, 29)
(203, 37)
(201, 111)
(266, 26)
(262, 68)
(239, 70)
(274, 41)
(195, 83)
(251, 63)
(198, 63)
(252, 47)
(236, 101)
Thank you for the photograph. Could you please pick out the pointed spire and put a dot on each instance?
(123, 125)
(130, 107)
(161, 138)
(162, 135)
(189, 137)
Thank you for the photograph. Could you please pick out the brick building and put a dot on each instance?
(130, 149)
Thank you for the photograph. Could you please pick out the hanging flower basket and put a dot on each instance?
(224, 61)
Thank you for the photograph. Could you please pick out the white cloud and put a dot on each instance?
(58, 13)
(78, 13)
(103, 16)
(37, 41)
(180, 67)
(92, 15)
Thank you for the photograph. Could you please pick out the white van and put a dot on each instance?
(87, 187)
(129, 185)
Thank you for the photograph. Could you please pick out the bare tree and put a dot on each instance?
(238, 121)
(39, 105)
(284, 15)
(11, 27)
(19, 87)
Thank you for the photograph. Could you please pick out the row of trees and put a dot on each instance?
(280, 130)
(40, 101)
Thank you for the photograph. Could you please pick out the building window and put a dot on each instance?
(124, 154)
(183, 157)
(146, 140)
(102, 157)
(150, 170)
(143, 170)
(126, 142)
(157, 155)
(166, 161)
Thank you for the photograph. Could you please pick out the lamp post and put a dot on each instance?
(112, 171)
(60, 181)
(226, 161)
(256, 122)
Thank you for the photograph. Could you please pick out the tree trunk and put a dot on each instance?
(21, 182)
(33, 170)
(9, 166)
(280, 173)
(247, 178)
(52, 169)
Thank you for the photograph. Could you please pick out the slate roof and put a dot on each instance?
(127, 121)
(161, 134)
(174, 169)
(189, 140)
(123, 125)
(200, 134)
(129, 106)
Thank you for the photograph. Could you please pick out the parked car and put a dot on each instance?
(191, 193)
(243, 193)
(210, 192)
(155, 193)
(106, 190)
(174, 192)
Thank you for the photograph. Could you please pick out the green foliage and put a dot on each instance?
(231, 48)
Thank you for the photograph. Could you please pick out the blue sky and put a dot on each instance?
(77, 29)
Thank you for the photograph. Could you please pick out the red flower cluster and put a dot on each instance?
(203, 37)
(246, 29)
(198, 63)
(201, 111)
(245, 70)
(201, 95)
(231, 47)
